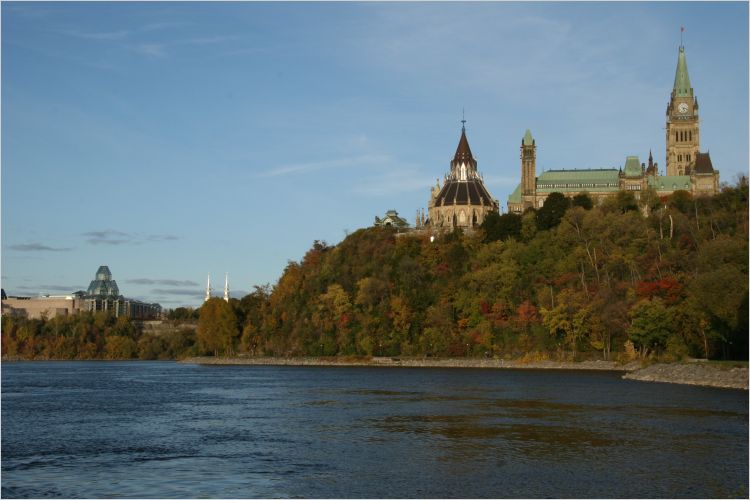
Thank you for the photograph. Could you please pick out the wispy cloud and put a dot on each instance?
(296, 168)
(37, 247)
(164, 282)
(187, 292)
(162, 237)
(105, 35)
(114, 237)
(395, 181)
(52, 288)
(151, 49)
(108, 237)
(161, 49)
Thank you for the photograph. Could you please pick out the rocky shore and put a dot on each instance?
(691, 373)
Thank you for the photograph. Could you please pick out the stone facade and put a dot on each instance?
(687, 168)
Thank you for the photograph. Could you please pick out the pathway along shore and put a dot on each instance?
(692, 373)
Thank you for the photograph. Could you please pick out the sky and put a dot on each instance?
(173, 140)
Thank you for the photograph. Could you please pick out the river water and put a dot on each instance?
(163, 429)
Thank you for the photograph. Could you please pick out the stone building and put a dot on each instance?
(463, 200)
(391, 219)
(687, 168)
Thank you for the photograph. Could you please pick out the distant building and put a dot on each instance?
(102, 295)
(687, 168)
(391, 219)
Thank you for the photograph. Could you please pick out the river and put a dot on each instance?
(166, 430)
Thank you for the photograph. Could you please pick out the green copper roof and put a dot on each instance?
(593, 174)
(565, 181)
(669, 182)
(515, 196)
(682, 86)
(633, 167)
(527, 139)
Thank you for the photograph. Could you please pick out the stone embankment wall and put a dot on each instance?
(412, 362)
(677, 373)
(693, 374)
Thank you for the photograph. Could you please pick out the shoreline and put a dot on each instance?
(690, 373)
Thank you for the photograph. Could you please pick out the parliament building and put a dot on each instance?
(687, 168)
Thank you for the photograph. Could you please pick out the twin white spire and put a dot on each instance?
(209, 289)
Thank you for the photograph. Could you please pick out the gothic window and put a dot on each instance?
(679, 157)
(691, 135)
(463, 172)
(688, 157)
(462, 218)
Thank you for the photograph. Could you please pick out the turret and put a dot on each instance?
(528, 164)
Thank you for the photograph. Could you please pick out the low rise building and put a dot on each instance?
(101, 295)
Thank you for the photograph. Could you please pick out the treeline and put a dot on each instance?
(629, 278)
(91, 336)
(664, 277)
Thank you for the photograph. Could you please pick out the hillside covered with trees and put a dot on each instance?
(567, 281)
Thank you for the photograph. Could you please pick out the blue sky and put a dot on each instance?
(173, 140)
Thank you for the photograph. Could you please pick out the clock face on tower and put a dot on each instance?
(682, 108)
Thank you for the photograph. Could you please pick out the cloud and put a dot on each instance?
(107, 35)
(152, 49)
(162, 237)
(159, 49)
(357, 161)
(37, 247)
(53, 288)
(187, 292)
(113, 237)
(108, 237)
(164, 282)
(397, 180)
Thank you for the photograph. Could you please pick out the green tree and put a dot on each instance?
(501, 227)
(120, 347)
(651, 326)
(583, 200)
(217, 327)
(552, 211)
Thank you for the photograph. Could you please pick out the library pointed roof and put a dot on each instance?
(463, 151)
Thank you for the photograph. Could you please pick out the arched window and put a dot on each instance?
(691, 135)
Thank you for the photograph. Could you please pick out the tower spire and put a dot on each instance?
(682, 86)
(463, 120)
(208, 288)
(226, 287)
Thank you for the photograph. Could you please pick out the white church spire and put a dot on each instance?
(226, 287)
(208, 289)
